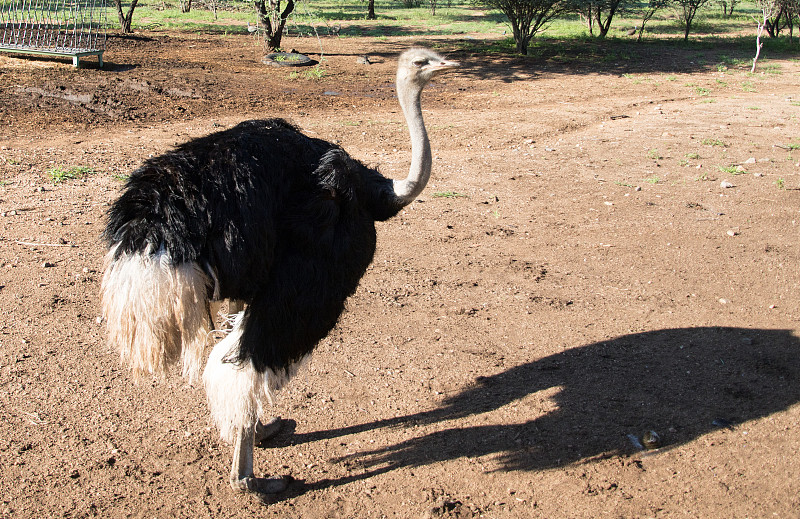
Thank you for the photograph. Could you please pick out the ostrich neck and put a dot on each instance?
(408, 189)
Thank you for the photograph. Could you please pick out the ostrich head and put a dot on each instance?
(416, 67)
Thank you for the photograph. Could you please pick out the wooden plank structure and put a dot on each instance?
(75, 28)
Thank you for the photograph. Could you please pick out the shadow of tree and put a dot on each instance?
(682, 383)
(490, 58)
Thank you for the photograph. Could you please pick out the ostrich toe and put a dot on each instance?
(261, 488)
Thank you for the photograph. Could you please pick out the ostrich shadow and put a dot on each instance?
(681, 383)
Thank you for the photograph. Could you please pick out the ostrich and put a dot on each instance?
(268, 218)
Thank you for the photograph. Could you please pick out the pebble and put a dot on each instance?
(725, 184)
(731, 232)
(651, 440)
(723, 301)
(751, 160)
(47, 264)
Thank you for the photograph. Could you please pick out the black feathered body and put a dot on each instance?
(274, 218)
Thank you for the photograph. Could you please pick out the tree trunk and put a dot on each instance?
(371, 10)
(590, 20)
(519, 39)
(522, 44)
(761, 24)
(125, 20)
(273, 32)
(688, 19)
(603, 26)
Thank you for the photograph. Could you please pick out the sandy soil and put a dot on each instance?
(575, 276)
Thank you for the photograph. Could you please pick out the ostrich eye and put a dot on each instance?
(420, 62)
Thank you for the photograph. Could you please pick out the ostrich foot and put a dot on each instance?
(261, 487)
(266, 430)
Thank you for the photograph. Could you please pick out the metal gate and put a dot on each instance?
(74, 28)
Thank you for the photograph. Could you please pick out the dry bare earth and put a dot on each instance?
(591, 281)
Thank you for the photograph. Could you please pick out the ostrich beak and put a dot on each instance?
(443, 66)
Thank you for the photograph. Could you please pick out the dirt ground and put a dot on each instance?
(576, 275)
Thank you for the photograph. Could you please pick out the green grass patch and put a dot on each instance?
(320, 18)
(316, 72)
(58, 175)
(730, 170)
(448, 194)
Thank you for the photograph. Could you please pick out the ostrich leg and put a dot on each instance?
(242, 476)
(233, 392)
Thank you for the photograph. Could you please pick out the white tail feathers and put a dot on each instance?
(156, 312)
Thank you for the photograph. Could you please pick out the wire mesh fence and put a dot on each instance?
(74, 28)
